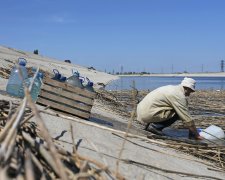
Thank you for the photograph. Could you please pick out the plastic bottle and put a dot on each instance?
(89, 85)
(75, 80)
(58, 76)
(15, 83)
(199, 130)
(36, 86)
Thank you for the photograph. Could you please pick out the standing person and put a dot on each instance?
(165, 105)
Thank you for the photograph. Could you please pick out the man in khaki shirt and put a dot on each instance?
(165, 105)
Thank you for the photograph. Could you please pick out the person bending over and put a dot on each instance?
(165, 105)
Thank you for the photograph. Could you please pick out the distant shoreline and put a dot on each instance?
(214, 74)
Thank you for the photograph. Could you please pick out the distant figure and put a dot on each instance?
(165, 105)
(91, 68)
(36, 51)
(68, 61)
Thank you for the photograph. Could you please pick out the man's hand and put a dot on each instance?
(199, 137)
(193, 133)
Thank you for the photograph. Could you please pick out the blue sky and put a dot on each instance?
(140, 35)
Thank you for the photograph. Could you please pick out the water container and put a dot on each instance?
(212, 133)
(58, 76)
(36, 86)
(89, 85)
(199, 130)
(75, 80)
(15, 83)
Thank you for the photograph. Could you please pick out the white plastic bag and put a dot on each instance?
(212, 133)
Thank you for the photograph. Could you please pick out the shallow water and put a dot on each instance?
(183, 133)
(206, 113)
(150, 83)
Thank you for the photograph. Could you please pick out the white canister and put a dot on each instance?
(212, 133)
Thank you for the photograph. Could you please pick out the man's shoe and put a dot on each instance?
(154, 131)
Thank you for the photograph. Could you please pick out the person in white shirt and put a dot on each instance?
(165, 105)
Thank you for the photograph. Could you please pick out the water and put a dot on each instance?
(36, 85)
(89, 88)
(15, 90)
(35, 88)
(15, 83)
(74, 81)
(150, 83)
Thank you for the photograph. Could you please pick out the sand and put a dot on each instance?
(101, 144)
(8, 56)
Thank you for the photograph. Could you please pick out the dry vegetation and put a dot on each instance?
(206, 107)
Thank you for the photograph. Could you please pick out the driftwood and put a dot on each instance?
(133, 113)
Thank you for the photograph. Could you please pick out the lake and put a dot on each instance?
(150, 83)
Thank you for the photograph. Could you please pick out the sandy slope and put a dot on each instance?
(9, 55)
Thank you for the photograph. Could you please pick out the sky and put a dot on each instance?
(156, 36)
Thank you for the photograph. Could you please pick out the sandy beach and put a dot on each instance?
(102, 136)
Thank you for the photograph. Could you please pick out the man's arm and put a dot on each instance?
(181, 107)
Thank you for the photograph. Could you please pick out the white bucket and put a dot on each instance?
(212, 133)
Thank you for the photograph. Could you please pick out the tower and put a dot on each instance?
(222, 66)
(121, 70)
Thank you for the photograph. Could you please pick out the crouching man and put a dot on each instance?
(165, 105)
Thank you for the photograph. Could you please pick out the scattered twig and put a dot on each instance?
(128, 126)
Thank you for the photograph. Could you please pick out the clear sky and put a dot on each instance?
(140, 35)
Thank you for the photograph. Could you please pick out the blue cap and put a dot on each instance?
(90, 83)
(22, 63)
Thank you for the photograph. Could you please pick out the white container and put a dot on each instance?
(212, 133)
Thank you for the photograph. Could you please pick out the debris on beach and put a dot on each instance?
(4, 73)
